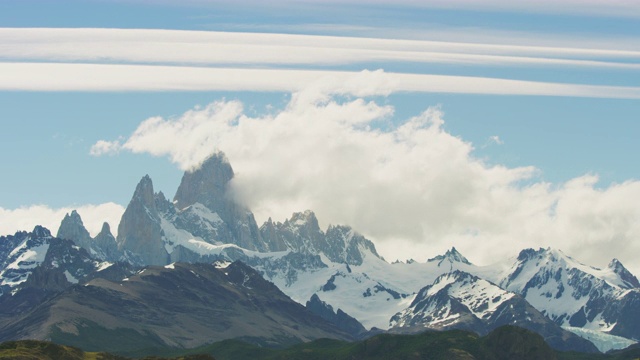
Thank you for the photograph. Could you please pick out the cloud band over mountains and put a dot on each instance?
(412, 187)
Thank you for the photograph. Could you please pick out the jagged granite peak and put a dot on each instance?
(144, 192)
(206, 185)
(270, 233)
(302, 233)
(343, 244)
(104, 245)
(72, 228)
(306, 219)
(209, 185)
(140, 231)
(40, 232)
(105, 230)
(625, 275)
(450, 256)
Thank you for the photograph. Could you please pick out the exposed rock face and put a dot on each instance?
(102, 247)
(343, 244)
(105, 245)
(208, 185)
(204, 218)
(140, 231)
(72, 228)
(302, 233)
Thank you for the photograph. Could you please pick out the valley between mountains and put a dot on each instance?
(198, 269)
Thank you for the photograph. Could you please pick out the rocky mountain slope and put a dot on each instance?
(178, 305)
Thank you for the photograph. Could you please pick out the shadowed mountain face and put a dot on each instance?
(339, 318)
(179, 305)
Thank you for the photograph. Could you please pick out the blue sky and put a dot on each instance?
(560, 133)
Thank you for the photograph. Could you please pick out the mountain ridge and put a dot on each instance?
(204, 224)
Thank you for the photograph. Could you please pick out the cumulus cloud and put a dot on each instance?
(93, 216)
(105, 148)
(411, 186)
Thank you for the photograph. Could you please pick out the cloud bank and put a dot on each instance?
(411, 186)
(27, 217)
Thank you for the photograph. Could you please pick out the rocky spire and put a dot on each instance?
(106, 244)
(139, 231)
(209, 185)
(206, 185)
(72, 228)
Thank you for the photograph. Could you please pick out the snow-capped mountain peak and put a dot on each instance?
(452, 298)
(450, 257)
(577, 295)
(628, 279)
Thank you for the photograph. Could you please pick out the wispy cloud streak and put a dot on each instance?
(216, 48)
(100, 77)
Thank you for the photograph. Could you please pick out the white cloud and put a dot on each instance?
(496, 140)
(105, 148)
(99, 77)
(27, 217)
(415, 189)
(267, 49)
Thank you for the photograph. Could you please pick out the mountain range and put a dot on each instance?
(165, 250)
